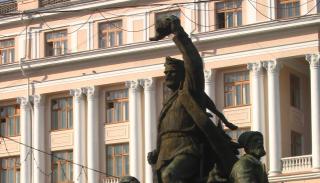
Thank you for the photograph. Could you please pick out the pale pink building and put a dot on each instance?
(81, 84)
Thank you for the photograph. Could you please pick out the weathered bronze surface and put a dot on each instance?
(249, 168)
(189, 145)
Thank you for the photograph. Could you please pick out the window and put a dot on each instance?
(61, 113)
(288, 8)
(295, 91)
(236, 89)
(10, 120)
(296, 144)
(117, 106)
(7, 51)
(110, 34)
(229, 13)
(62, 167)
(10, 170)
(56, 43)
(118, 160)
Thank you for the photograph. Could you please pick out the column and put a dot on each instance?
(92, 132)
(313, 60)
(78, 135)
(38, 139)
(271, 9)
(150, 121)
(257, 93)
(25, 131)
(90, 35)
(251, 13)
(210, 85)
(273, 69)
(135, 153)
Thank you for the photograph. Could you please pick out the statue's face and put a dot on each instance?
(172, 78)
(255, 146)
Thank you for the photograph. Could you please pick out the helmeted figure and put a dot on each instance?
(249, 167)
(188, 143)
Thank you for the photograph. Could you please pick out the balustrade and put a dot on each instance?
(296, 163)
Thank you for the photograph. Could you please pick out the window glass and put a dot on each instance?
(117, 107)
(110, 34)
(62, 166)
(61, 113)
(288, 8)
(229, 13)
(10, 120)
(7, 51)
(236, 89)
(56, 43)
(296, 144)
(118, 159)
(295, 91)
(10, 170)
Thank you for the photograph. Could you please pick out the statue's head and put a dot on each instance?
(252, 142)
(174, 73)
(128, 179)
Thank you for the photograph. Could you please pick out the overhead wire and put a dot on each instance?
(52, 155)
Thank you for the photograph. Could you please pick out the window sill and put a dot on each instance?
(116, 122)
(232, 107)
(64, 129)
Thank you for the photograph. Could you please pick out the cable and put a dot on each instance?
(5, 145)
(275, 7)
(51, 154)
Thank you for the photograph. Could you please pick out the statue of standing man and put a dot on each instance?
(188, 143)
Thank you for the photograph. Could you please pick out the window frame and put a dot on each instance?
(242, 83)
(58, 163)
(285, 10)
(16, 120)
(15, 168)
(62, 40)
(7, 49)
(68, 109)
(295, 91)
(104, 33)
(116, 100)
(234, 10)
(294, 145)
(123, 155)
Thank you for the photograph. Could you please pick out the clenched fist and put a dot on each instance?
(152, 157)
(166, 26)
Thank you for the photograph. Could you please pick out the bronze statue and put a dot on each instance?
(249, 168)
(188, 143)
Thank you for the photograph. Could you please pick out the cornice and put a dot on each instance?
(68, 6)
(148, 47)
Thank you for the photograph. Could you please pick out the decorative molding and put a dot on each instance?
(148, 84)
(209, 75)
(256, 68)
(23, 101)
(155, 67)
(133, 84)
(272, 66)
(92, 92)
(38, 100)
(314, 60)
(76, 93)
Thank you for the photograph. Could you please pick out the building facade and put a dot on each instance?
(81, 85)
